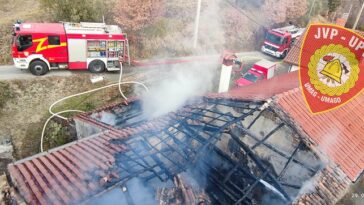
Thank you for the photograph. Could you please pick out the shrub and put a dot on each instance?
(5, 93)
(78, 10)
(5, 42)
(136, 14)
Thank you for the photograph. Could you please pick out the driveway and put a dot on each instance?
(9, 72)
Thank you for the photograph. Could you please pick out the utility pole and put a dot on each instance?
(197, 23)
(309, 14)
(358, 17)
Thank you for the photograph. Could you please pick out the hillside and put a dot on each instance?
(168, 32)
(224, 24)
(11, 11)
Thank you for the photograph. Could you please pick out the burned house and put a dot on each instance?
(255, 145)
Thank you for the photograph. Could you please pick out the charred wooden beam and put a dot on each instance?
(291, 185)
(220, 114)
(249, 189)
(183, 146)
(255, 119)
(146, 164)
(289, 160)
(241, 168)
(260, 164)
(230, 184)
(223, 188)
(268, 135)
(233, 103)
(175, 148)
(253, 136)
(159, 162)
(148, 145)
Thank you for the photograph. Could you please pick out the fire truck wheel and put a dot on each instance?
(38, 67)
(96, 66)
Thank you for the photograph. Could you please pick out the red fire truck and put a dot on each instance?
(278, 41)
(261, 70)
(41, 47)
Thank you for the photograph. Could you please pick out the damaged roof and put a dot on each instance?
(263, 90)
(60, 176)
(338, 133)
(76, 171)
(66, 169)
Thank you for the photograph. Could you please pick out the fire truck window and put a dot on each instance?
(54, 40)
(24, 42)
(285, 40)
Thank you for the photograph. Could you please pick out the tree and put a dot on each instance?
(76, 10)
(333, 5)
(275, 11)
(283, 10)
(136, 14)
(296, 9)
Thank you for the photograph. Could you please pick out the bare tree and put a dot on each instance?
(136, 14)
(333, 5)
(283, 10)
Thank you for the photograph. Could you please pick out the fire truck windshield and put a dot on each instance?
(270, 37)
(23, 42)
(250, 77)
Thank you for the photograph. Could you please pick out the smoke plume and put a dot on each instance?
(183, 82)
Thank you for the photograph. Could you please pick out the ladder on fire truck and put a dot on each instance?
(293, 30)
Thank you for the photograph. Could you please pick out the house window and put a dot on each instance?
(54, 40)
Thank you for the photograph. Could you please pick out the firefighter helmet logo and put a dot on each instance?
(329, 67)
(333, 70)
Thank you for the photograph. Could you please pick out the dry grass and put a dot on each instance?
(24, 114)
(26, 10)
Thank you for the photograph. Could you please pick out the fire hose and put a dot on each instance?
(57, 114)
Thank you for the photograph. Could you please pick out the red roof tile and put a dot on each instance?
(264, 89)
(65, 169)
(338, 133)
(330, 184)
(294, 54)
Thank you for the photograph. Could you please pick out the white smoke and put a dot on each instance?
(183, 82)
(211, 31)
(194, 79)
(308, 186)
(140, 195)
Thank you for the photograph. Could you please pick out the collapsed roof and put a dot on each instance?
(244, 150)
(262, 148)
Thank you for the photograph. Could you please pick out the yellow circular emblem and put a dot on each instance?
(333, 70)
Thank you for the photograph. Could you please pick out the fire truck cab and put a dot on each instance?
(278, 41)
(41, 47)
(261, 70)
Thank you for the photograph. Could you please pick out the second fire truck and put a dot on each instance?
(41, 47)
(278, 41)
